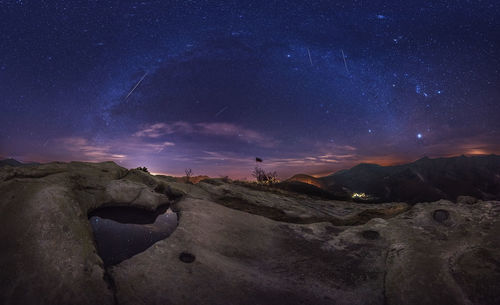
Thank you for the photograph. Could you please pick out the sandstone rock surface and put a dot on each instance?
(239, 245)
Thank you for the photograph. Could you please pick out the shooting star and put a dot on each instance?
(221, 111)
(136, 85)
(345, 63)
(310, 59)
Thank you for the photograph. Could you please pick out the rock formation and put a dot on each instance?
(239, 244)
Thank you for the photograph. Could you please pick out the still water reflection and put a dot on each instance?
(122, 232)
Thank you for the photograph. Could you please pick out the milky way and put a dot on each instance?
(309, 86)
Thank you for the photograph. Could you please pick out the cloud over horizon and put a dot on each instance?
(217, 129)
(146, 147)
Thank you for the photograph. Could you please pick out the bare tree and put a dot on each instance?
(265, 177)
(189, 173)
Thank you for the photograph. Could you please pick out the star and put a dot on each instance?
(238, 79)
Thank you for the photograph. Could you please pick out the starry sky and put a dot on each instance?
(308, 86)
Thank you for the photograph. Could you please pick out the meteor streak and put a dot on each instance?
(221, 111)
(345, 63)
(136, 85)
(310, 59)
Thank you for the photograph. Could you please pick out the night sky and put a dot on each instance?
(308, 86)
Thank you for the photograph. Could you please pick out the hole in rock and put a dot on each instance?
(370, 234)
(122, 232)
(441, 215)
(187, 257)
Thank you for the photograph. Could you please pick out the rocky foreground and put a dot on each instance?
(237, 244)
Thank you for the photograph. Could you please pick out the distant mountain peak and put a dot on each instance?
(13, 162)
(10, 162)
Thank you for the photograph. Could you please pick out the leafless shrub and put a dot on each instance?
(264, 177)
(224, 179)
(189, 173)
(144, 169)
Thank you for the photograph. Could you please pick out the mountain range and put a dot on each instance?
(423, 180)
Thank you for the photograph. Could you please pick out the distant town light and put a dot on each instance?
(359, 195)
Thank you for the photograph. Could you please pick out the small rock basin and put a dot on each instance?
(122, 232)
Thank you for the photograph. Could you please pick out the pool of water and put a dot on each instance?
(122, 232)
